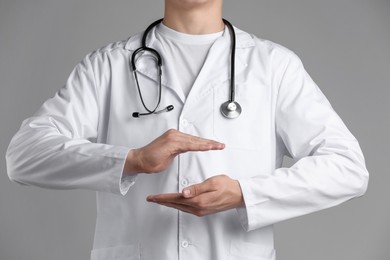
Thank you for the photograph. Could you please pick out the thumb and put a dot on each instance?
(196, 189)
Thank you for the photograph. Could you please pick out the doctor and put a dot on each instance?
(189, 183)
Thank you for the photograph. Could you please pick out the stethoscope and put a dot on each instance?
(230, 109)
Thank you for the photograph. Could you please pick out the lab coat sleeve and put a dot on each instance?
(57, 149)
(329, 168)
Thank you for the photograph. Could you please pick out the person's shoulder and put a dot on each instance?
(275, 49)
(114, 48)
(276, 57)
(267, 46)
(107, 50)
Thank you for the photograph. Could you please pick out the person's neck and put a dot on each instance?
(200, 20)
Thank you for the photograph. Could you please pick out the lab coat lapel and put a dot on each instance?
(216, 68)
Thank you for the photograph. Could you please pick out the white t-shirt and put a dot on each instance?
(190, 52)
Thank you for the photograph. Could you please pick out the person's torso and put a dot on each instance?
(128, 227)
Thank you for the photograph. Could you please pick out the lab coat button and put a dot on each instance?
(184, 244)
(184, 182)
(184, 122)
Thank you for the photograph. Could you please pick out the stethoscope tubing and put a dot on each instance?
(232, 60)
(229, 109)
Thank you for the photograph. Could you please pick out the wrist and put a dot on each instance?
(131, 166)
(240, 196)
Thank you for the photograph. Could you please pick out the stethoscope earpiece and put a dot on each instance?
(166, 109)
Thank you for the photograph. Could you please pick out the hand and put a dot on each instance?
(159, 154)
(218, 193)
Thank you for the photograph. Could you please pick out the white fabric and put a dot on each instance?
(79, 139)
(189, 52)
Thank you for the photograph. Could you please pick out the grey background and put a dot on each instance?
(344, 45)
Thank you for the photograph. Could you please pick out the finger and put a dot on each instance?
(203, 142)
(186, 208)
(197, 189)
(195, 143)
(164, 197)
(176, 198)
(203, 202)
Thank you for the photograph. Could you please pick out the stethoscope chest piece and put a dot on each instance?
(230, 109)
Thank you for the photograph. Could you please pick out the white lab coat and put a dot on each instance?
(79, 140)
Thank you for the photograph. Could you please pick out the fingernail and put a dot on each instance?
(186, 193)
(220, 145)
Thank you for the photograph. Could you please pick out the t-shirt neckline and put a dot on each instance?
(192, 39)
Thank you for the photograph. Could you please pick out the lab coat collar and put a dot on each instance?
(209, 75)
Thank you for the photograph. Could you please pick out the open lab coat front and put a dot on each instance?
(79, 140)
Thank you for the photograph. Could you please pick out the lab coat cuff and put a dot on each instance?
(248, 213)
(126, 181)
(118, 183)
